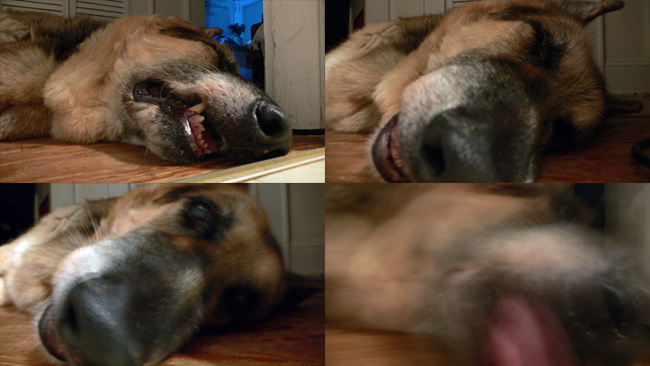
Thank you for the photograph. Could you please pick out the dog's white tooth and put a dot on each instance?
(201, 128)
(207, 151)
(199, 108)
(199, 118)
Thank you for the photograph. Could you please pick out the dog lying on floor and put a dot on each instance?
(127, 281)
(474, 95)
(502, 275)
(159, 83)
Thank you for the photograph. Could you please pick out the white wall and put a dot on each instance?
(295, 213)
(627, 48)
(628, 216)
(294, 33)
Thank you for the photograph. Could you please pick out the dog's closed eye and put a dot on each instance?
(205, 218)
(199, 210)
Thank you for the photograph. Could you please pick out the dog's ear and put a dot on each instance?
(586, 11)
(299, 288)
(211, 32)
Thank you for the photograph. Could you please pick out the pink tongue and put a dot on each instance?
(523, 334)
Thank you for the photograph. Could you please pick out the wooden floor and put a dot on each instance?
(346, 347)
(606, 159)
(293, 339)
(49, 161)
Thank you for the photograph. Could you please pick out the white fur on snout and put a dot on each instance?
(83, 264)
(430, 95)
(227, 94)
(98, 259)
(447, 88)
(552, 252)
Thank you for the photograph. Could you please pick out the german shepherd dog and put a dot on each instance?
(475, 95)
(159, 83)
(127, 281)
(503, 275)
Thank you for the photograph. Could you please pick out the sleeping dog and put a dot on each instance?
(127, 281)
(474, 95)
(141, 80)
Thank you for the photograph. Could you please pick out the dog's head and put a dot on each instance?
(502, 275)
(499, 83)
(164, 262)
(165, 85)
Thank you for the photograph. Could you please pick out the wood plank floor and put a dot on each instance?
(295, 338)
(48, 161)
(606, 159)
(346, 346)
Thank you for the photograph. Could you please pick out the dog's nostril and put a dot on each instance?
(270, 119)
(435, 157)
(70, 319)
(431, 150)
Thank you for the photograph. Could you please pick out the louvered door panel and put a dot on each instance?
(451, 4)
(58, 7)
(98, 8)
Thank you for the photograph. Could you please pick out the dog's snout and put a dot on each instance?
(455, 148)
(273, 135)
(93, 324)
(266, 133)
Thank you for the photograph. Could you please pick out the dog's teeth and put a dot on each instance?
(199, 108)
(207, 151)
(199, 118)
(201, 128)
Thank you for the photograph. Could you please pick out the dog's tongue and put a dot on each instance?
(525, 334)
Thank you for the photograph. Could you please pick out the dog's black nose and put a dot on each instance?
(455, 147)
(96, 324)
(473, 145)
(272, 135)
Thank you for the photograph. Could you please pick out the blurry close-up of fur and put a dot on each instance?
(498, 274)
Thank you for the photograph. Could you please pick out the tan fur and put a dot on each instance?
(132, 80)
(82, 116)
(422, 258)
(370, 78)
(39, 268)
(370, 246)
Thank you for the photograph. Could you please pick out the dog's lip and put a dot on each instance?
(48, 334)
(386, 153)
(201, 135)
(521, 332)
